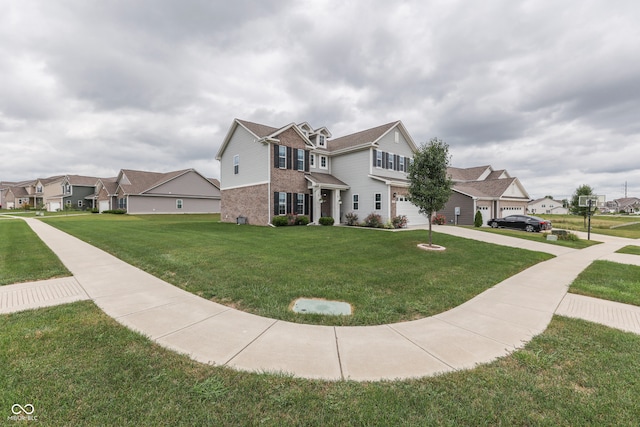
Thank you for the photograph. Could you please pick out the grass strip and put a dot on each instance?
(24, 257)
(611, 281)
(77, 366)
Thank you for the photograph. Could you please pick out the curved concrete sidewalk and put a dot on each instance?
(491, 325)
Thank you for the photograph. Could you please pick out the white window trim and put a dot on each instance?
(312, 160)
(300, 160)
(298, 204)
(355, 202)
(236, 164)
(391, 159)
(375, 202)
(326, 162)
(282, 205)
(79, 203)
(322, 141)
(282, 149)
(379, 159)
(179, 203)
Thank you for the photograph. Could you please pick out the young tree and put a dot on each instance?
(430, 186)
(575, 208)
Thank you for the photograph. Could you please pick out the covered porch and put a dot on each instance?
(326, 196)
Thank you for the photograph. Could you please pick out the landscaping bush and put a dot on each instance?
(115, 211)
(326, 220)
(280, 221)
(439, 219)
(302, 220)
(351, 218)
(374, 221)
(565, 235)
(477, 220)
(399, 221)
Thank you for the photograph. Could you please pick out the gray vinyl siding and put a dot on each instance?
(166, 205)
(353, 169)
(254, 160)
(189, 184)
(466, 205)
(401, 148)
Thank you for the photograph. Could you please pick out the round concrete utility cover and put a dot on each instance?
(321, 306)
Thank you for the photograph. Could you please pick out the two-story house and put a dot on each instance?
(547, 205)
(267, 171)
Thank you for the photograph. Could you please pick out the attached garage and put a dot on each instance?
(54, 206)
(411, 211)
(103, 205)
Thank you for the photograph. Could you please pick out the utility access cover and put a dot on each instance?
(321, 306)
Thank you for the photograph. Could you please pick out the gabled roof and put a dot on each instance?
(83, 181)
(369, 136)
(467, 174)
(533, 202)
(491, 188)
(627, 201)
(109, 184)
(215, 182)
(326, 180)
(18, 191)
(138, 182)
(261, 131)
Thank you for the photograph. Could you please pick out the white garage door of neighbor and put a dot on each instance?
(54, 206)
(486, 214)
(103, 205)
(408, 209)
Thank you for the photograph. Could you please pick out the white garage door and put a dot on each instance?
(486, 214)
(54, 206)
(103, 205)
(408, 209)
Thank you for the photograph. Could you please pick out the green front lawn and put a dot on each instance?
(633, 250)
(611, 281)
(77, 366)
(24, 257)
(540, 237)
(262, 270)
(620, 226)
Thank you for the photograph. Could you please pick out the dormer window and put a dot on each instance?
(321, 141)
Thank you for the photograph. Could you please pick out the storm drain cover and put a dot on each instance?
(321, 306)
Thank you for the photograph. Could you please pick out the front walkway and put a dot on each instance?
(493, 324)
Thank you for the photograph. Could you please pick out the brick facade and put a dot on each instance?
(288, 180)
(251, 202)
(398, 191)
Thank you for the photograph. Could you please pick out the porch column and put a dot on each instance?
(317, 204)
(336, 206)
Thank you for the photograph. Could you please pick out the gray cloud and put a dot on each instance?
(547, 90)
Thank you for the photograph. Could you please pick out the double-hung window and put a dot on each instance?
(323, 162)
(378, 159)
(282, 203)
(312, 160)
(402, 169)
(378, 201)
(179, 204)
(300, 203)
(300, 160)
(321, 140)
(236, 164)
(390, 162)
(282, 157)
(356, 202)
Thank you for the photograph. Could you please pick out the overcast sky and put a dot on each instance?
(548, 90)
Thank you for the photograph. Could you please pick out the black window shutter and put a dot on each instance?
(306, 204)
(375, 158)
(306, 160)
(385, 160)
(396, 162)
(288, 157)
(276, 156)
(294, 160)
(276, 200)
(289, 202)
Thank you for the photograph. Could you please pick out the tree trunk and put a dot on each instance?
(430, 222)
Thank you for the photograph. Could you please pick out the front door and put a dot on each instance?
(326, 208)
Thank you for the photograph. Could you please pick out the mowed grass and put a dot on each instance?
(540, 237)
(620, 226)
(77, 366)
(631, 249)
(262, 270)
(24, 257)
(611, 281)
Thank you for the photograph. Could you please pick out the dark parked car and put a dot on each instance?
(521, 222)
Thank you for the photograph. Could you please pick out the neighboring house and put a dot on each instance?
(295, 169)
(184, 191)
(547, 205)
(16, 197)
(630, 205)
(104, 197)
(494, 193)
(4, 188)
(72, 192)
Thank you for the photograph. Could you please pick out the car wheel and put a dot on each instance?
(494, 224)
(529, 228)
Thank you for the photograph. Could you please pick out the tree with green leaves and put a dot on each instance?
(430, 186)
(575, 208)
